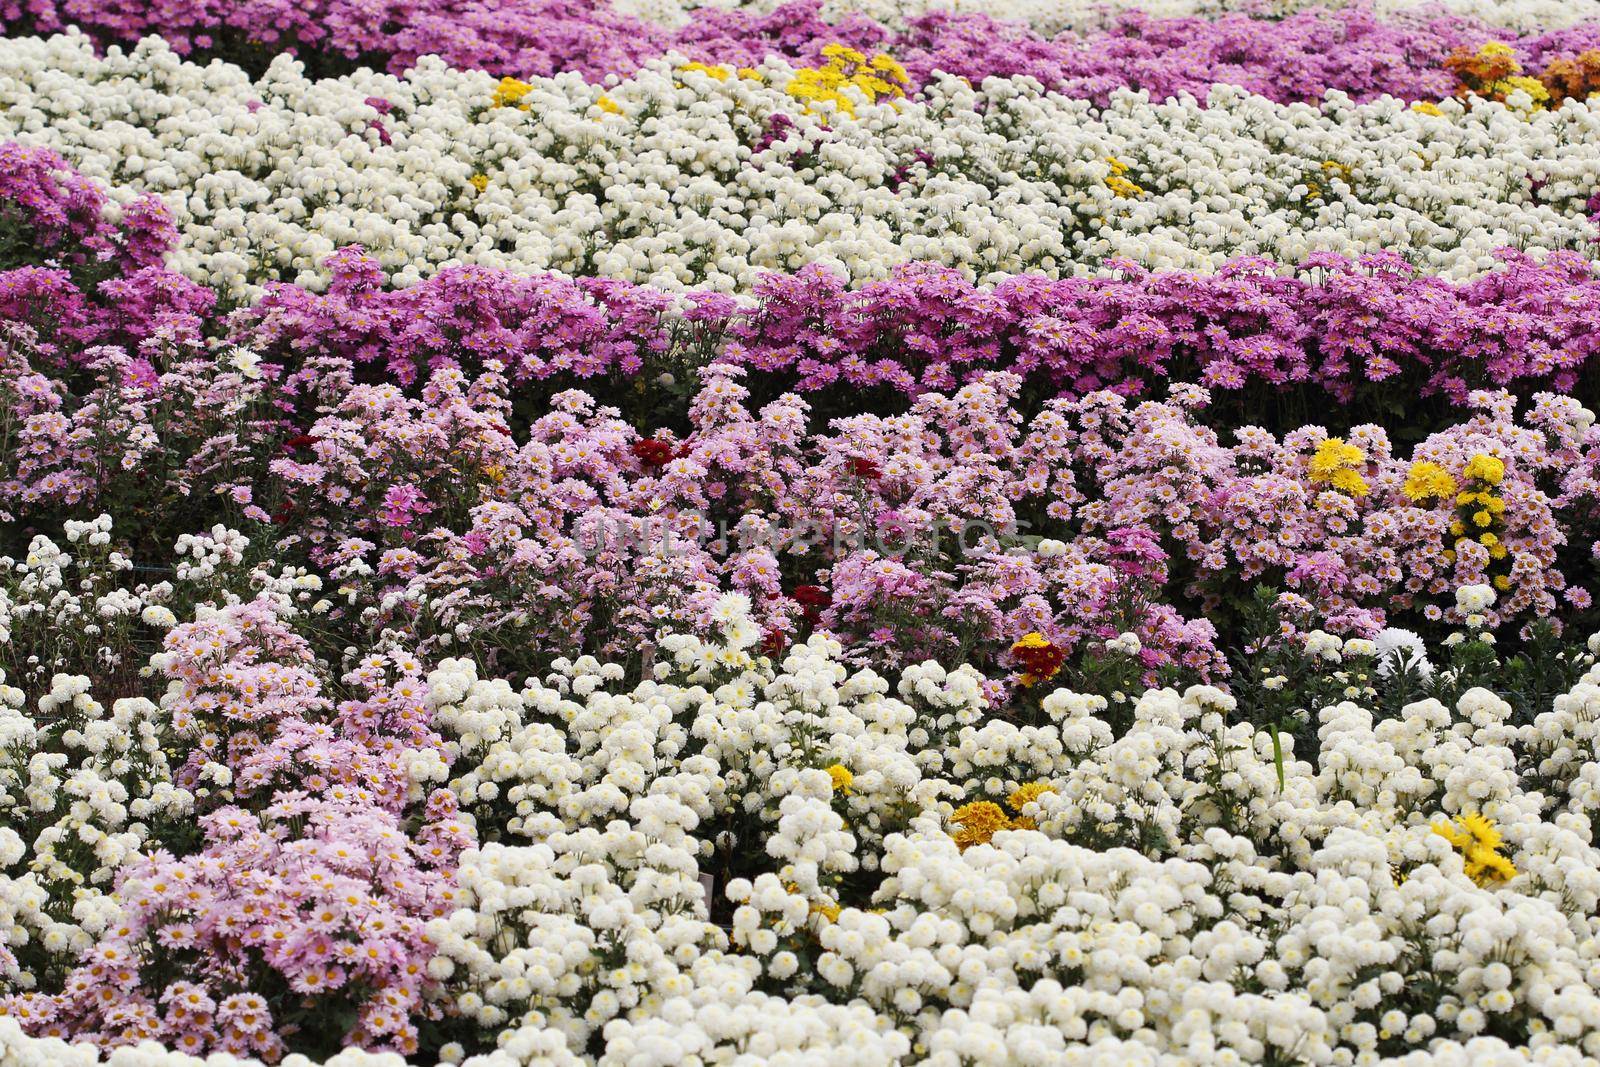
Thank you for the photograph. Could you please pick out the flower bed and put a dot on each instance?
(1254, 334)
(1299, 56)
(686, 178)
(769, 554)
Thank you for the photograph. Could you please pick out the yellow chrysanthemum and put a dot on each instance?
(608, 105)
(1348, 481)
(1333, 464)
(1428, 481)
(1119, 183)
(1532, 86)
(1333, 454)
(877, 77)
(1426, 108)
(719, 73)
(1489, 868)
(1485, 468)
(818, 87)
(1478, 841)
(842, 778)
(1483, 830)
(886, 64)
(1123, 187)
(479, 182)
(978, 822)
(511, 91)
(1020, 798)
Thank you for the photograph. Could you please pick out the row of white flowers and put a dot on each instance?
(1174, 904)
(1027, 892)
(682, 178)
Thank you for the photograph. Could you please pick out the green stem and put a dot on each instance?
(1277, 752)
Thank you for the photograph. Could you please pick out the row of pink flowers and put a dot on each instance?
(1100, 475)
(1298, 57)
(1358, 330)
(1354, 329)
(576, 528)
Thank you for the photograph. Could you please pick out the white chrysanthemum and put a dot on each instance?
(1398, 649)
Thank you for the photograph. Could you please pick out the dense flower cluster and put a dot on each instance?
(581, 529)
(685, 177)
(906, 857)
(1051, 18)
(1352, 329)
(656, 532)
(1358, 330)
(1299, 56)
